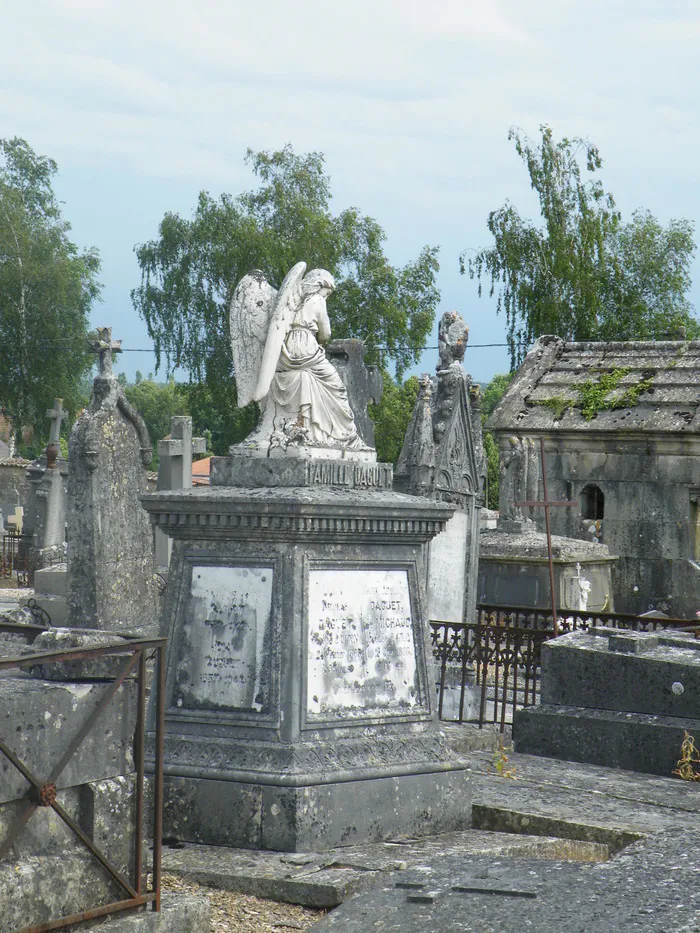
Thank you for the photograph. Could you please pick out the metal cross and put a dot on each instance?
(57, 414)
(105, 346)
(547, 504)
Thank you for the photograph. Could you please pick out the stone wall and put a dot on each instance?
(14, 485)
(649, 517)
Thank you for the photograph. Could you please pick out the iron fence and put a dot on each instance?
(43, 793)
(16, 551)
(493, 665)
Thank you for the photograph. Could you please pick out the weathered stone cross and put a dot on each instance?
(57, 414)
(105, 346)
(546, 503)
(175, 471)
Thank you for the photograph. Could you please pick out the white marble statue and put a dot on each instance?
(279, 362)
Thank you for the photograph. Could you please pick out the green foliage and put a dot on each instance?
(490, 399)
(47, 287)
(157, 402)
(595, 396)
(558, 405)
(189, 272)
(493, 393)
(582, 274)
(217, 418)
(392, 416)
(493, 476)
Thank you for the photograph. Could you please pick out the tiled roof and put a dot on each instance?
(14, 462)
(643, 386)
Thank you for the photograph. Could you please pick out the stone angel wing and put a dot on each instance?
(252, 306)
(287, 302)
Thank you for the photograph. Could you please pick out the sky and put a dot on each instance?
(144, 104)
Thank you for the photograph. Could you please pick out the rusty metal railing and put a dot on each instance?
(497, 659)
(16, 550)
(43, 792)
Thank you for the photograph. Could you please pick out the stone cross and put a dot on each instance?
(57, 414)
(546, 503)
(175, 470)
(15, 521)
(105, 347)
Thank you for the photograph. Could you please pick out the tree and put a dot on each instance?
(583, 274)
(392, 416)
(157, 402)
(490, 398)
(46, 289)
(189, 272)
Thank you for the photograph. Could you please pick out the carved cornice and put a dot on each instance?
(236, 513)
(228, 759)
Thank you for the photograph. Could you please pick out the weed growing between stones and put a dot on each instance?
(500, 760)
(687, 765)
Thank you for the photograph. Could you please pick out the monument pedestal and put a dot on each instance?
(299, 704)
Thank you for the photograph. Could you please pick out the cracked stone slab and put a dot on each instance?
(329, 878)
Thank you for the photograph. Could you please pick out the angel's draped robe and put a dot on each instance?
(307, 383)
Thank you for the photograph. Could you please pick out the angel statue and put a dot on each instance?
(279, 362)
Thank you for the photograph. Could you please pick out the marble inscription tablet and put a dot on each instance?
(361, 649)
(224, 658)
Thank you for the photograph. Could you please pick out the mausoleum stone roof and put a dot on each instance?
(631, 386)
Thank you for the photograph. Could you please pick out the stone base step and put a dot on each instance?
(632, 741)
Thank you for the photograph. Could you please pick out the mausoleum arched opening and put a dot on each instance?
(592, 503)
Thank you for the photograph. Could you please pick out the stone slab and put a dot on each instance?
(656, 673)
(549, 795)
(179, 913)
(456, 895)
(40, 888)
(52, 580)
(633, 741)
(81, 669)
(297, 819)
(56, 606)
(264, 471)
(447, 566)
(40, 718)
(326, 879)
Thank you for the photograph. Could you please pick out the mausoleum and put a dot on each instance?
(621, 423)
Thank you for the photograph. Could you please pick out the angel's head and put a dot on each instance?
(317, 281)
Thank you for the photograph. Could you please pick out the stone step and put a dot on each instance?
(632, 741)
(52, 580)
(56, 606)
(179, 913)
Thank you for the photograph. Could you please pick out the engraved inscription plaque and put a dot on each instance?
(361, 648)
(224, 658)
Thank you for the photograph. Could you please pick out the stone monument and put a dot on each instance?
(299, 707)
(618, 698)
(45, 517)
(110, 543)
(443, 458)
(175, 472)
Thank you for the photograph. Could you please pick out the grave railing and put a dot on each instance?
(43, 789)
(16, 551)
(496, 660)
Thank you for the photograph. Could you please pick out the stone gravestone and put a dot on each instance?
(299, 705)
(110, 543)
(175, 472)
(443, 458)
(44, 516)
(363, 383)
(618, 698)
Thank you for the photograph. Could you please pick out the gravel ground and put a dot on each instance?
(239, 913)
